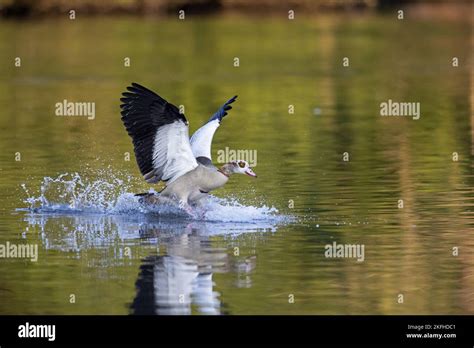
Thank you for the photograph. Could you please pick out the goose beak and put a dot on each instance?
(250, 172)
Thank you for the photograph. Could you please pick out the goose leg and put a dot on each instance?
(186, 207)
(200, 206)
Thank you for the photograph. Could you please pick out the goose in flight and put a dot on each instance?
(165, 153)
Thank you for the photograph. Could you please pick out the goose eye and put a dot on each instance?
(241, 164)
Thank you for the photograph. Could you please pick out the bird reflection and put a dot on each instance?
(182, 279)
(178, 274)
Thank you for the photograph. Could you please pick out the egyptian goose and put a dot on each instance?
(164, 151)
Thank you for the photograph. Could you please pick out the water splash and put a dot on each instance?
(109, 194)
(70, 193)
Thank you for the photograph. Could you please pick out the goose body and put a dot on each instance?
(165, 153)
(195, 184)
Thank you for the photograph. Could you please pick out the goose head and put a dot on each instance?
(242, 167)
(238, 167)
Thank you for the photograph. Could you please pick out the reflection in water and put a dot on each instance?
(176, 274)
(170, 284)
(99, 258)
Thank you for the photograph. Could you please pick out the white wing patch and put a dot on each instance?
(202, 139)
(172, 154)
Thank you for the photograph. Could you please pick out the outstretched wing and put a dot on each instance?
(160, 135)
(202, 139)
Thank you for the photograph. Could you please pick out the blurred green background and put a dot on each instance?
(282, 62)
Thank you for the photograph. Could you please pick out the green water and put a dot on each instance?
(256, 268)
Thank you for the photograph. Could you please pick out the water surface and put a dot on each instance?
(264, 244)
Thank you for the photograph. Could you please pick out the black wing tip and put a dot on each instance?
(137, 85)
(135, 89)
(230, 101)
(137, 94)
(222, 112)
(137, 99)
(132, 90)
